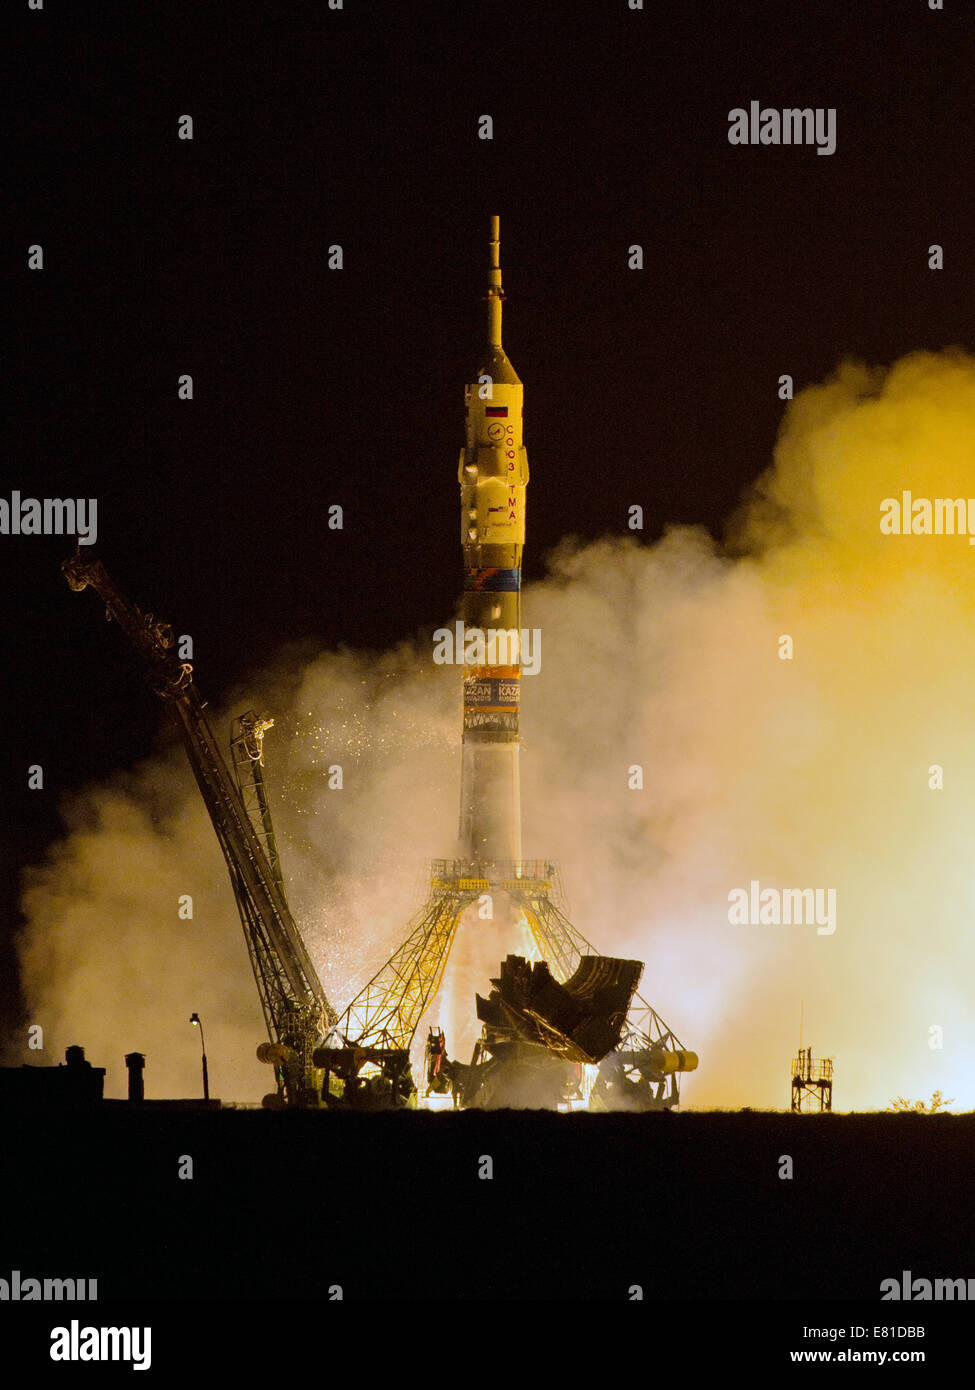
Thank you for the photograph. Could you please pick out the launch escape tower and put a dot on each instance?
(812, 1083)
(361, 1059)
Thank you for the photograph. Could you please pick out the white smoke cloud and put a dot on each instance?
(810, 772)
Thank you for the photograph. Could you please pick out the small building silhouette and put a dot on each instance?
(74, 1082)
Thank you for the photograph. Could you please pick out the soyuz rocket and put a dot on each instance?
(493, 477)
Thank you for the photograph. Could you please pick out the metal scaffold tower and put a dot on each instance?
(296, 1010)
(812, 1083)
(376, 1031)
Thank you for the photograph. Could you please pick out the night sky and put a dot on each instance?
(312, 386)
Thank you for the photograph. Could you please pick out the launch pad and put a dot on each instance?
(546, 1020)
(644, 1061)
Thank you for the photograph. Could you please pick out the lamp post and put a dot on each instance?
(195, 1020)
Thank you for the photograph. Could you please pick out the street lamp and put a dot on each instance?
(195, 1020)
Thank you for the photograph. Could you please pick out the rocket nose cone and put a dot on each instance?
(496, 365)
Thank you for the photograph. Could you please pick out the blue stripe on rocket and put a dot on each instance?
(492, 581)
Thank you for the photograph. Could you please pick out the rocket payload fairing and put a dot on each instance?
(493, 477)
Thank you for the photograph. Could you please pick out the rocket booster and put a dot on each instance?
(493, 477)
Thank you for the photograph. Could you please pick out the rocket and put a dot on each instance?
(493, 476)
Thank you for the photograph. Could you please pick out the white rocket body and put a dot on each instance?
(493, 477)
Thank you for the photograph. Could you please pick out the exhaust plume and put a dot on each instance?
(798, 705)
